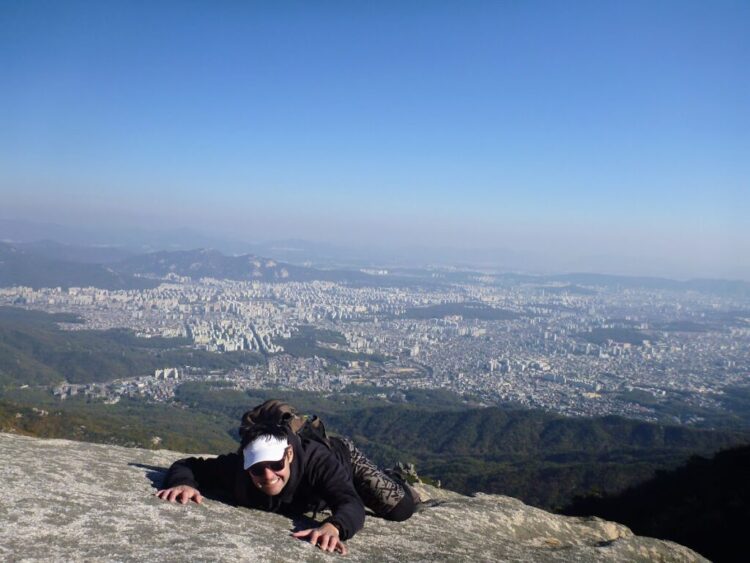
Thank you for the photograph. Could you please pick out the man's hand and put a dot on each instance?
(181, 493)
(326, 538)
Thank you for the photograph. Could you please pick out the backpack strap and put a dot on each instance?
(313, 429)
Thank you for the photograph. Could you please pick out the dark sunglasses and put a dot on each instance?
(259, 469)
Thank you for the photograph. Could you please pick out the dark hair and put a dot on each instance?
(255, 431)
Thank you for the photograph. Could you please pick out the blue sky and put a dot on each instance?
(564, 129)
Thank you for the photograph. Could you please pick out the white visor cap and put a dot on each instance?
(265, 448)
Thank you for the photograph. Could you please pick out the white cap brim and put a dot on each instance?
(265, 448)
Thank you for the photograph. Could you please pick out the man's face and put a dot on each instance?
(272, 481)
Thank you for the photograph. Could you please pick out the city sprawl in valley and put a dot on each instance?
(572, 349)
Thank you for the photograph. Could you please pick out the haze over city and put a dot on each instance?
(579, 136)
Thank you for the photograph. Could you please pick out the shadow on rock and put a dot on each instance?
(304, 523)
(154, 473)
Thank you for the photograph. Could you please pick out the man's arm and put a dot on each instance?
(187, 476)
(334, 485)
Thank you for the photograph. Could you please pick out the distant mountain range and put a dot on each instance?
(296, 251)
(48, 264)
(51, 264)
(204, 263)
(346, 255)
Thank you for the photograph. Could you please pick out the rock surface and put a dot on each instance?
(66, 500)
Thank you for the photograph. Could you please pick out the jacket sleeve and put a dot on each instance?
(212, 473)
(334, 485)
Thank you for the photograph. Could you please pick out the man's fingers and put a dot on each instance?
(328, 542)
(181, 494)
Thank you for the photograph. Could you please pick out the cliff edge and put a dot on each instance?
(64, 500)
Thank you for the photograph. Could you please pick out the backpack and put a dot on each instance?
(280, 413)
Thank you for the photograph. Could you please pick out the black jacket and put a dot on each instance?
(317, 479)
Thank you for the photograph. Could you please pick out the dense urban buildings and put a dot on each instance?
(581, 350)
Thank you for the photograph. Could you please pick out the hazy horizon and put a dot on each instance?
(568, 137)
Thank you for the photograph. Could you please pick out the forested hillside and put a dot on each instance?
(541, 458)
(704, 504)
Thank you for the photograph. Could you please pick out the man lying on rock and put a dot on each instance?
(277, 470)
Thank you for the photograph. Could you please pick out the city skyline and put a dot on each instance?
(593, 136)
